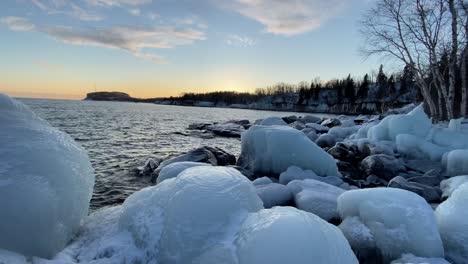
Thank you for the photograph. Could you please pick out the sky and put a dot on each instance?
(158, 48)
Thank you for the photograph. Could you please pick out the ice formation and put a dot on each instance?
(415, 123)
(316, 197)
(457, 162)
(288, 235)
(272, 150)
(412, 259)
(193, 212)
(399, 221)
(449, 185)
(274, 194)
(46, 182)
(272, 121)
(452, 218)
(173, 169)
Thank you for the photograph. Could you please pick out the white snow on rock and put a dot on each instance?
(317, 127)
(272, 150)
(457, 162)
(295, 173)
(173, 169)
(452, 218)
(316, 197)
(400, 221)
(411, 259)
(288, 235)
(448, 186)
(274, 194)
(262, 180)
(343, 132)
(46, 182)
(272, 121)
(193, 212)
(415, 123)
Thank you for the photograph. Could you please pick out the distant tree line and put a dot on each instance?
(377, 87)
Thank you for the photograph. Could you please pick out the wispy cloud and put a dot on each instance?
(288, 17)
(132, 39)
(110, 3)
(239, 41)
(66, 8)
(17, 23)
(135, 11)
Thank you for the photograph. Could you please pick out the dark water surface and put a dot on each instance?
(121, 136)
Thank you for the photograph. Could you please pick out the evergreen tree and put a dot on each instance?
(349, 89)
(382, 83)
(364, 87)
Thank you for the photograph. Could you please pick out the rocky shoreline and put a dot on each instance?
(366, 189)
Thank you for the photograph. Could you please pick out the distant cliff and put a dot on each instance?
(116, 97)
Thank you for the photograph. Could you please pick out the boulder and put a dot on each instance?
(297, 125)
(290, 119)
(326, 141)
(384, 166)
(429, 193)
(149, 167)
(274, 194)
(331, 122)
(310, 119)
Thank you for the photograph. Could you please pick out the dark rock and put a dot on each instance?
(274, 194)
(348, 170)
(310, 119)
(424, 166)
(149, 167)
(226, 130)
(223, 158)
(243, 122)
(427, 180)
(200, 126)
(289, 119)
(384, 166)
(326, 141)
(331, 122)
(427, 192)
(373, 181)
(297, 125)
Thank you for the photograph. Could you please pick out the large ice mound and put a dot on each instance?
(399, 222)
(288, 235)
(452, 218)
(271, 150)
(178, 220)
(173, 169)
(46, 182)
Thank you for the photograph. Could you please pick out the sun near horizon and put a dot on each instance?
(153, 48)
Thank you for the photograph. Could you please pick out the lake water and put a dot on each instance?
(121, 136)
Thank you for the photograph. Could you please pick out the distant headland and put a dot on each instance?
(116, 97)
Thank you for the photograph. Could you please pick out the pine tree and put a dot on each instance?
(349, 89)
(364, 87)
(382, 83)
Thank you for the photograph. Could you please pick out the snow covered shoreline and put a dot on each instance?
(363, 189)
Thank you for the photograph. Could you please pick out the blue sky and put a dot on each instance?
(150, 48)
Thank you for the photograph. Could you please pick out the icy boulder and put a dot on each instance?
(398, 221)
(287, 235)
(46, 182)
(272, 150)
(181, 218)
(274, 194)
(452, 218)
(173, 169)
(316, 197)
(448, 186)
(457, 162)
(415, 123)
(415, 147)
(411, 259)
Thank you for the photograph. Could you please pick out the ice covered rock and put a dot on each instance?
(46, 183)
(149, 167)
(326, 141)
(331, 122)
(262, 180)
(181, 218)
(383, 166)
(455, 124)
(274, 194)
(316, 197)
(296, 173)
(297, 125)
(343, 132)
(272, 150)
(412, 259)
(360, 238)
(318, 128)
(173, 169)
(452, 218)
(426, 192)
(448, 186)
(415, 123)
(457, 162)
(415, 147)
(399, 221)
(211, 155)
(272, 121)
(302, 238)
(448, 138)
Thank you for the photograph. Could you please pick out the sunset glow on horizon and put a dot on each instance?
(157, 48)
